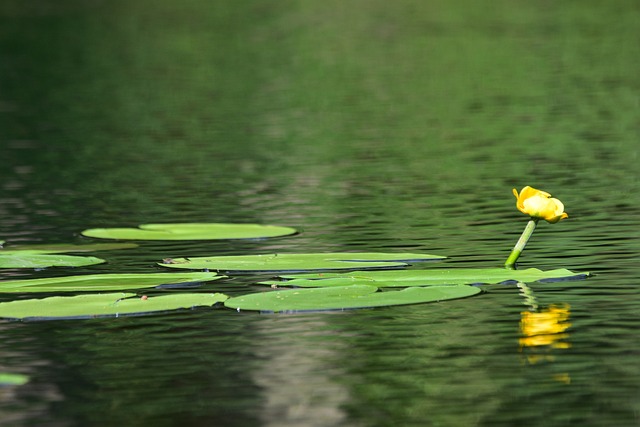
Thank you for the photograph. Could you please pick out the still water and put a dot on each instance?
(369, 126)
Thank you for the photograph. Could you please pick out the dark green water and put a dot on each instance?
(368, 125)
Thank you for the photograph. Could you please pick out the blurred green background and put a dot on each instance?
(368, 125)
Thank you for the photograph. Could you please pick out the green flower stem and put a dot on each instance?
(522, 242)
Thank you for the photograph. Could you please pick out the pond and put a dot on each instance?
(367, 126)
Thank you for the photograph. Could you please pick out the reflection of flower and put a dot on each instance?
(545, 327)
(539, 205)
(543, 332)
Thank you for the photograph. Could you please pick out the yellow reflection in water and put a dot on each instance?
(545, 327)
(543, 331)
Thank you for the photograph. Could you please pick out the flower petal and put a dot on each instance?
(539, 204)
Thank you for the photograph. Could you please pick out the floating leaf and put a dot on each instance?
(40, 256)
(104, 282)
(299, 262)
(12, 379)
(191, 231)
(55, 248)
(36, 260)
(103, 305)
(345, 297)
(404, 278)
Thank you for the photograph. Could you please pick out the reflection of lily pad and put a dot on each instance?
(300, 262)
(36, 260)
(55, 248)
(191, 231)
(345, 297)
(12, 379)
(104, 282)
(103, 305)
(404, 278)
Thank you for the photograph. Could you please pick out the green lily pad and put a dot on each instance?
(12, 379)
(191, 231)
(103, 305)
(405, 278)
(56, 248)
(345, 297)
(37, 260)
(299, 262)
(104, 282)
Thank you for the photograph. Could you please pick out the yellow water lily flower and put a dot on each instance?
(539, 204)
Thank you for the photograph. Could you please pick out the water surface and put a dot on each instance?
(369, 126)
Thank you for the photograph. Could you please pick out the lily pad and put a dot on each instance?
(7, 379)
(299, 262)
(103, 305)
(56, 248)
(405, 278)
(191, 231)
(345, 297)
(38, 260)
(104, 282)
